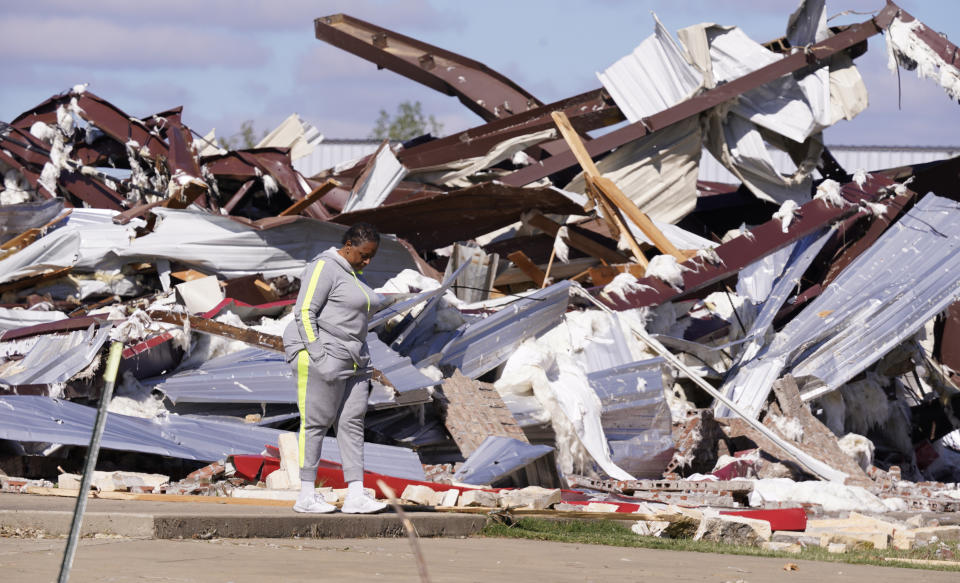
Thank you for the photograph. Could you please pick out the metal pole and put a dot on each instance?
(109, 378)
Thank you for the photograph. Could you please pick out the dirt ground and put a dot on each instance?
(460, 560)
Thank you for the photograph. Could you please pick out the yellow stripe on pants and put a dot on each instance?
(303, 371)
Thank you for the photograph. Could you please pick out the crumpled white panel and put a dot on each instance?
(654, 77)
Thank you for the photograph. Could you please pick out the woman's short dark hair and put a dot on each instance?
(360, 233)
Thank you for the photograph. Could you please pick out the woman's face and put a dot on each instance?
(358, 256)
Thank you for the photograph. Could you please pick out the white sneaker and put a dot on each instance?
(361, 504)
(314, 505)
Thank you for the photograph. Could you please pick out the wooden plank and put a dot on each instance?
(604, 274)
(315, 195)
(590, 171)
(572, 138)
(611, 211)
(639, 218)
(19, 242)
(528, 267)
(575, 143)
(611, 192)
(578, 241)
(513, 275)
(197, 324)
(187, 274)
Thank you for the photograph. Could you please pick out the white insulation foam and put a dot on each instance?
(666, 269)
(786, 214)
(829, 192)
(623, 284)
(905, 48)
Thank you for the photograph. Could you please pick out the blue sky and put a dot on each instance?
(227, 61)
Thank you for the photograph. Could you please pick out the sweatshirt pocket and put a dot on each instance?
(326, 363)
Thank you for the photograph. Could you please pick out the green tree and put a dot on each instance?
(244, 139)
(409, 122)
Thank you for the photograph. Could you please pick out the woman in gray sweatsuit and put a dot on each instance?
(326, 344)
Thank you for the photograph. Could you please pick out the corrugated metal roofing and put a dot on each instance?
(41, 419)
(483, 345)
(45, 420)
(803, 252)
(884, 296)
(330, 153)
(652, 78)
(52, 358)
(14, 318)
(385, 173)
(635, 417)
(496, 457)
(255, 375)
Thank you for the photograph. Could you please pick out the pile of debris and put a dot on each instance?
(577, 312)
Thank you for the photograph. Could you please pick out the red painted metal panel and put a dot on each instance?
(248, 466)
(779, 518)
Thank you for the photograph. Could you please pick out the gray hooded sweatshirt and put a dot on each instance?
(330, 316)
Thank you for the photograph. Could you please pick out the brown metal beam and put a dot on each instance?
(138, 211)
(32, 177)
(101, 113)
(238, 196)
(484, 91)
(91, 191)
(481, 89)
(759, 242)
(59, 326)
(813, 55)
(937, 42)
(948, 343)
(317, 193)
(25, 146)
(439, 220)
(181, 159)
(253, 163)
(587, 111)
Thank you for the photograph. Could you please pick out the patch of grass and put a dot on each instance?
(618, 534)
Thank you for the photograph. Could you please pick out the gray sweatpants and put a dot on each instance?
(323, 399)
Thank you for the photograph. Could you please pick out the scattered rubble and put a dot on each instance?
(580, 324)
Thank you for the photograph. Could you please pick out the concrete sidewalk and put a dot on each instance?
(166, 520)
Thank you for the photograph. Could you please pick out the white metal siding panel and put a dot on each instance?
(329, 153)
(851, 158)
